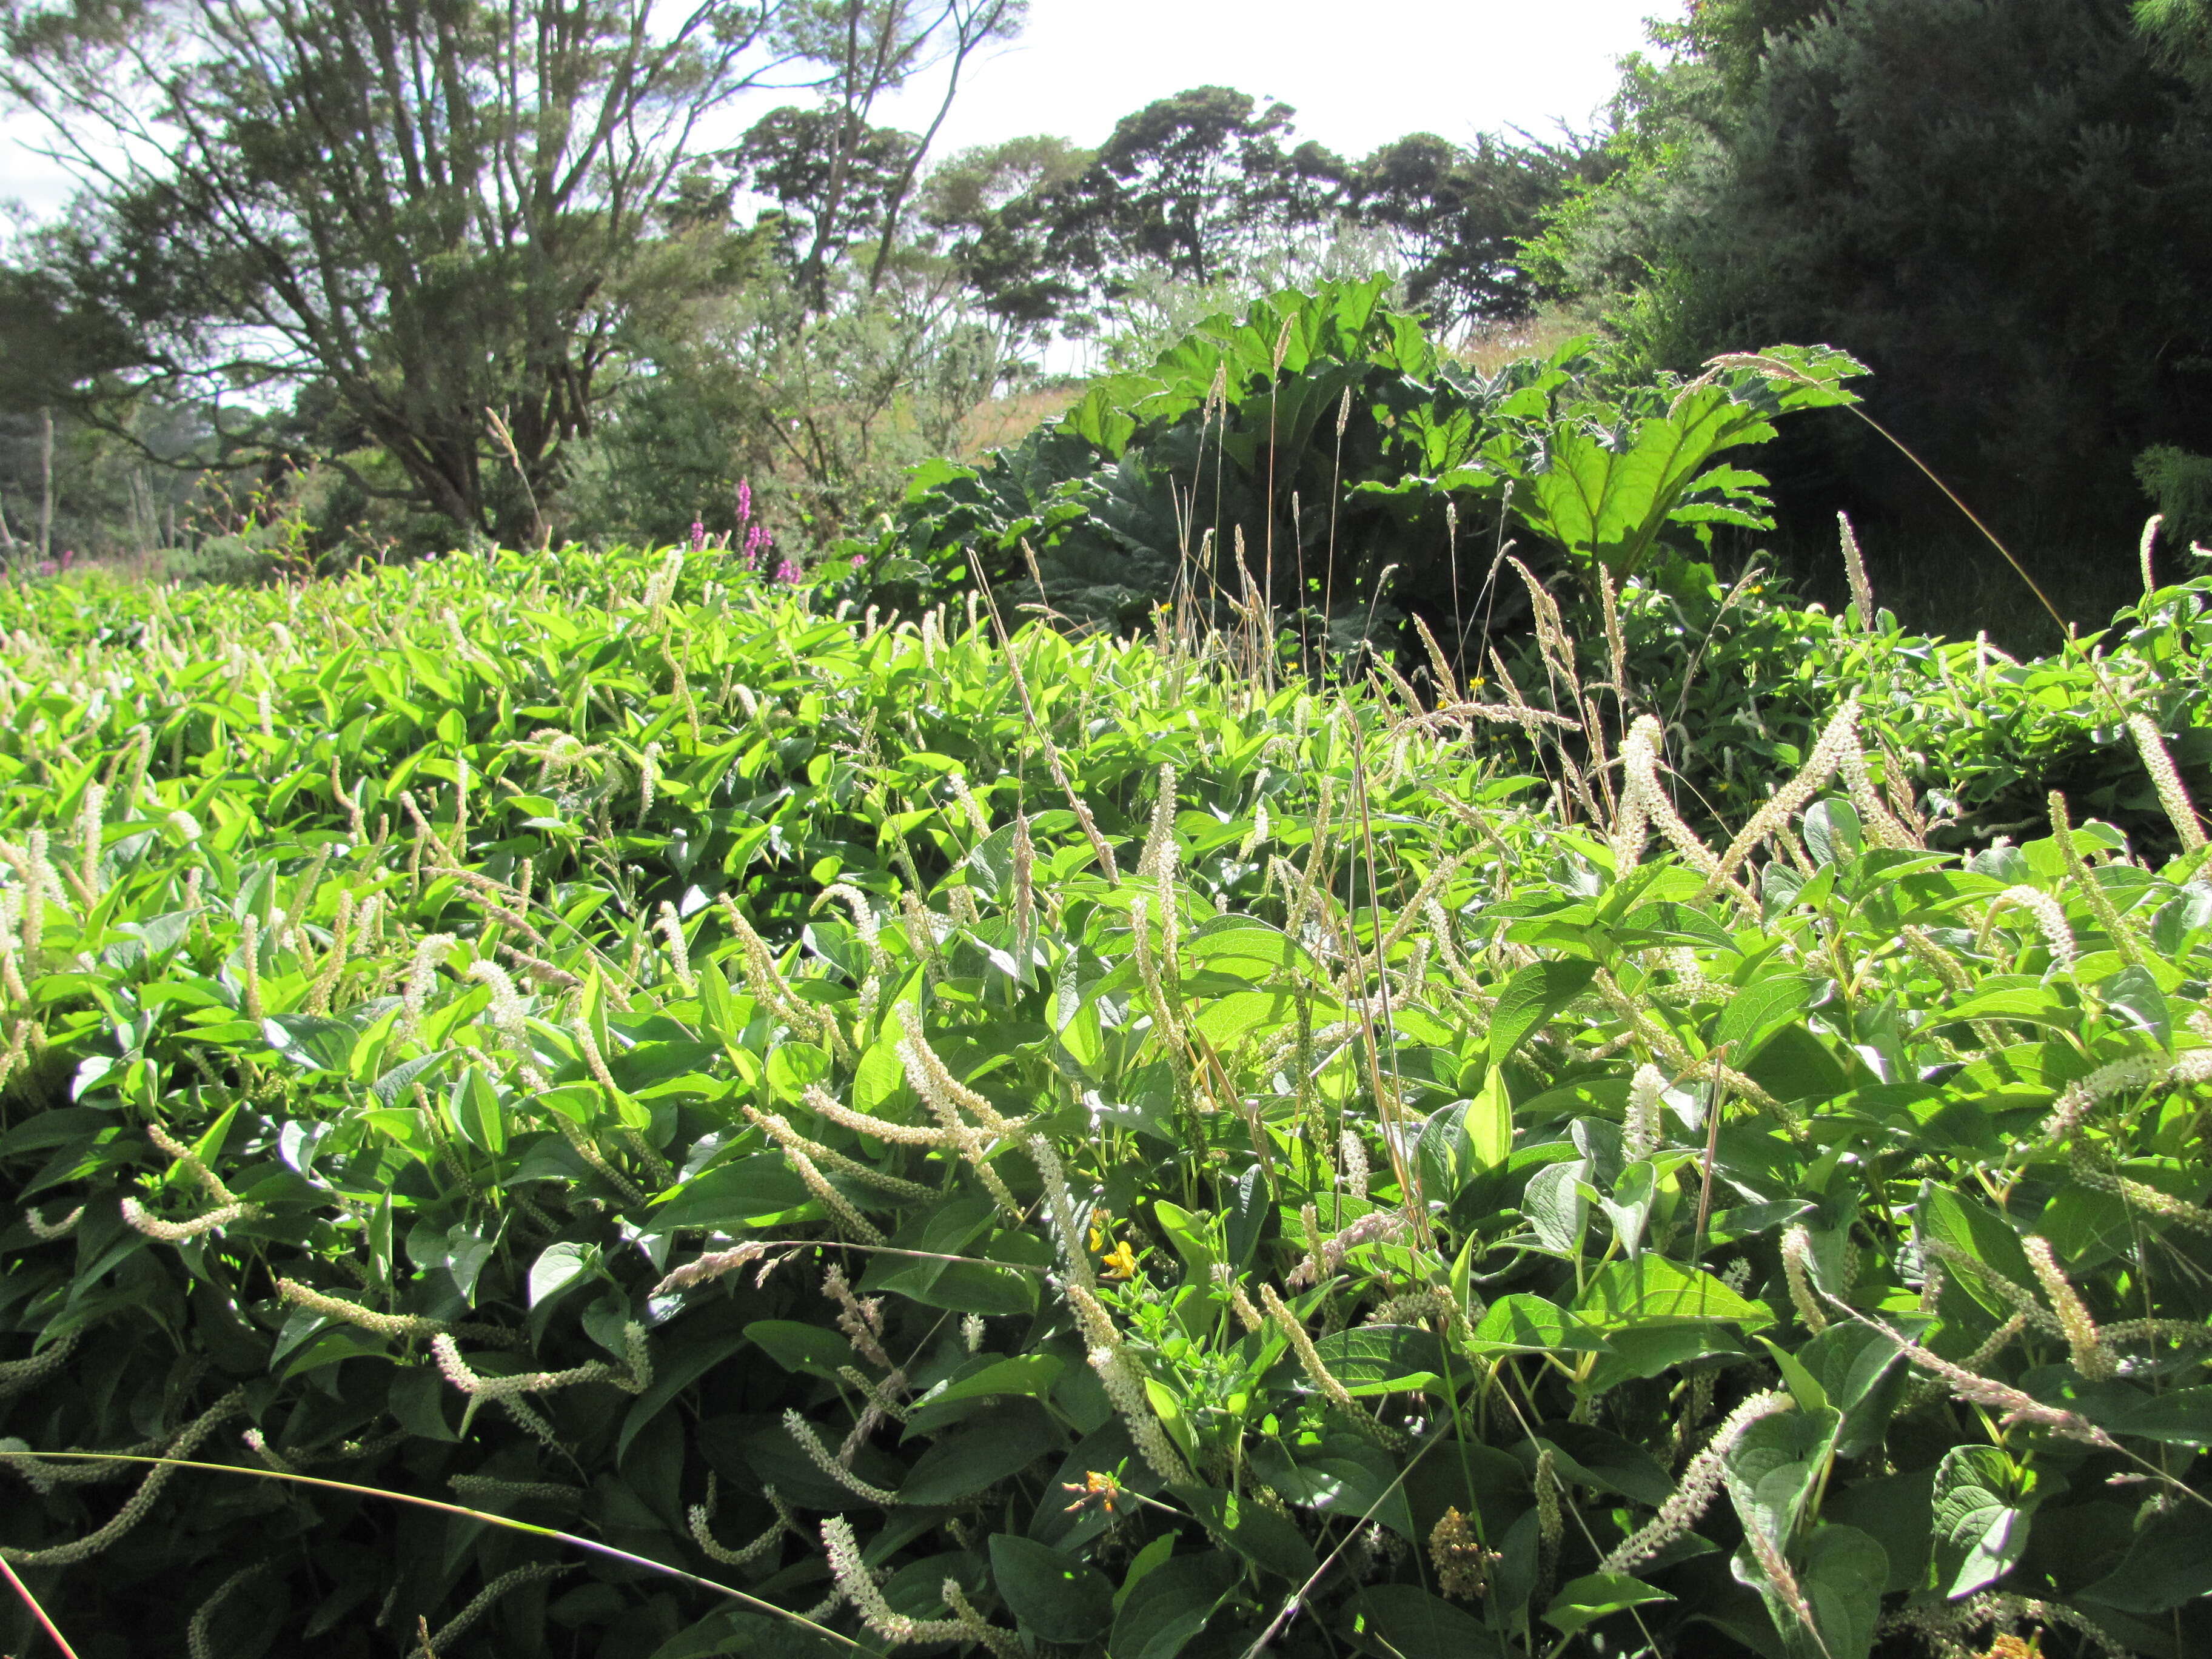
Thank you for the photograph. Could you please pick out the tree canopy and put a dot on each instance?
(2000, 205)
(447, 218)
(505, 272)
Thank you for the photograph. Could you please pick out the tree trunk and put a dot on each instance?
(46, 484)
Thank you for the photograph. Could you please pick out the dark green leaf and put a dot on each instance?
(963, 1461)
(2169, 1564)
(1055, 1595)
(1382, 1358)
(1586, 1600)
(1171, 1604)
(1404, 1621)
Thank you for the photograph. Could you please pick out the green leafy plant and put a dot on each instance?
(1319, 456)
(990, 1142)
(1602, 476)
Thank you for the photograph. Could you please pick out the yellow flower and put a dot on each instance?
(1099, 1219)
(1120, 1262)
(1103, 1487)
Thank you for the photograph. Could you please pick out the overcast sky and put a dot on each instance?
(1359, 72)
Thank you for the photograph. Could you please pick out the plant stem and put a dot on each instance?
(37, 1612)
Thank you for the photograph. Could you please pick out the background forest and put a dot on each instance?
(345, 283)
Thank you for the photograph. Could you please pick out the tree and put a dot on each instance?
(1459, 216)
(2182, 29)
(981, 202)
(433, 211)
(1194, 185)
(64, 484)
(2004, 207)
(799, 158)
(875, 46)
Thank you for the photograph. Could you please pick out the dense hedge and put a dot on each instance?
(1074, 1148)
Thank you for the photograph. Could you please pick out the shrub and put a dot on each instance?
(1059, 1145)
(1319, 456)
(2180, 484)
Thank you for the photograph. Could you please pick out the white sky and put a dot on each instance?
(1359, 72)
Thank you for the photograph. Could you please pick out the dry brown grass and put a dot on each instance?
(1488, 347)
(1002, 420)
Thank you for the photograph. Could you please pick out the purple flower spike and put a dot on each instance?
(787, 574)
(745, 501)
(698, 535)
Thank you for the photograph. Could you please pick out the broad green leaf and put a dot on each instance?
(1153, 1555)
(1370, 1360)
(2135, 992)
(472, 1107)
(1969, 1227)
(1029, 1374)
(2179, 1417)
(1556, 1203)
(1269, 1540)
(1347, 1480)
(1188, 1234)
(1171, 1604)
(672, 1373)
(1756, 1012)
(2168, 1565)
(1775, 1465)
(1666, 922)
(1589, 1456)
(310, 1042)
(560, 1266)
(2022, 999)
(1980, 1529)
(1404, 1621)
(977, 1285)
(792, 1066)
(1861, 1373)
(1055, 1595)
(1586, 1600)
(1244, 1016)
(1522, 1323)
(466, 1255)
(1894, 1511)
(1842, 1576)
(808, 1349)
(1629, 1207)
(1532, 996)
(731, 1195)
(1833, 833)
(1489, 1121)
(963, 1461)
(1624, 1294)
(1648, 1350)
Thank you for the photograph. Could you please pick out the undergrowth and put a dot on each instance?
(1054, 1145)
